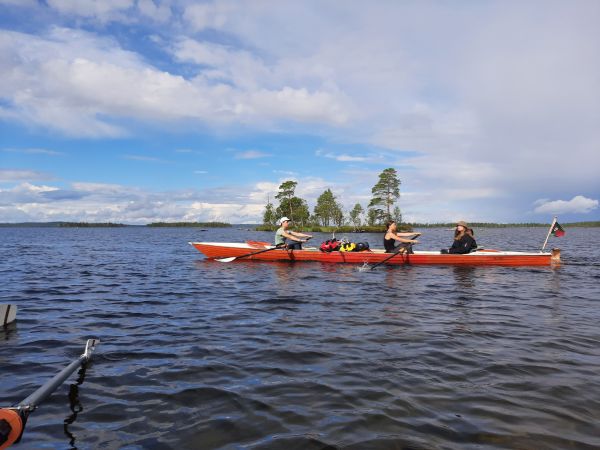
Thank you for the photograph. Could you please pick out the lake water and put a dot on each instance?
(250, 355)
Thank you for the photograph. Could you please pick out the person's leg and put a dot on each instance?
(404, 248)
(294, 246)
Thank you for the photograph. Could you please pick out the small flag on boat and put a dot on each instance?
(557, 230)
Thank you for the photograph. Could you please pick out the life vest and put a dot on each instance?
(330, 245)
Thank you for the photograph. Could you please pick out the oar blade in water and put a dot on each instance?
(225, 260)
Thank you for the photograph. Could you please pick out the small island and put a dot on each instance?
(90, 225)
(190, 224)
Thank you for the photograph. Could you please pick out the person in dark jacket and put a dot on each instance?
(464, 242)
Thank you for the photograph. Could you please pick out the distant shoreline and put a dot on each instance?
(113, 225)
(257, 227)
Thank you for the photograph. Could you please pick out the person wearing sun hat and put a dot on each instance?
(292, 239)
(463, 239)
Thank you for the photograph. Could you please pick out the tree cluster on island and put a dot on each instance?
(90, 225)
(190, 224)
(328, 213)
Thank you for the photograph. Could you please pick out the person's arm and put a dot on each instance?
(408, 233)
(294, 236)
(300, 235)
(401, 239)
(304, 235)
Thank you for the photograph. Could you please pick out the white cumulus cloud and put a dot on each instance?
(82, 85)
(578, 204)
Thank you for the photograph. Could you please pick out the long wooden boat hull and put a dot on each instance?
(213, 250)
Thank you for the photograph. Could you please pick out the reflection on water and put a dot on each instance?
(74, 404)
(465, 277)
(8, 331)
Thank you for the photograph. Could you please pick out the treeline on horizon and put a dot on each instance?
(190, 224)
(90, 225)
(116, 225)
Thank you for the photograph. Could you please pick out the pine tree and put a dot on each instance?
(397, 215)
(355, 214)
(285, 196)
(385, 193)
(327, 210)
(338, 216)
(269, 217)
(372, 217)
(291, 206)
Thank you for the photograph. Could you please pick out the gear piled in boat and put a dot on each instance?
(332, 245)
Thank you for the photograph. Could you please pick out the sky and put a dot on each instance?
(137, 111)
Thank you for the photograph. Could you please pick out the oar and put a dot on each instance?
(386, 259)
(233, 258)
(14, 419)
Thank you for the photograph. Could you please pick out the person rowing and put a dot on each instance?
(464, 242)
(406, 239)
(291, 239)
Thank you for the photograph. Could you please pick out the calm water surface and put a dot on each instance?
(247, 355)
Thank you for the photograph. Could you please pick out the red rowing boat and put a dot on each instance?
(483, 257)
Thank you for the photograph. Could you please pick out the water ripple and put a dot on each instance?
(246, 355)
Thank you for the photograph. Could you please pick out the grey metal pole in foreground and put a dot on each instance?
(41, 394)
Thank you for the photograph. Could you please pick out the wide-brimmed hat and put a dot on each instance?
(462, 223)
(283, 219)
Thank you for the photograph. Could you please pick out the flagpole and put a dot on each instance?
(549, 231)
